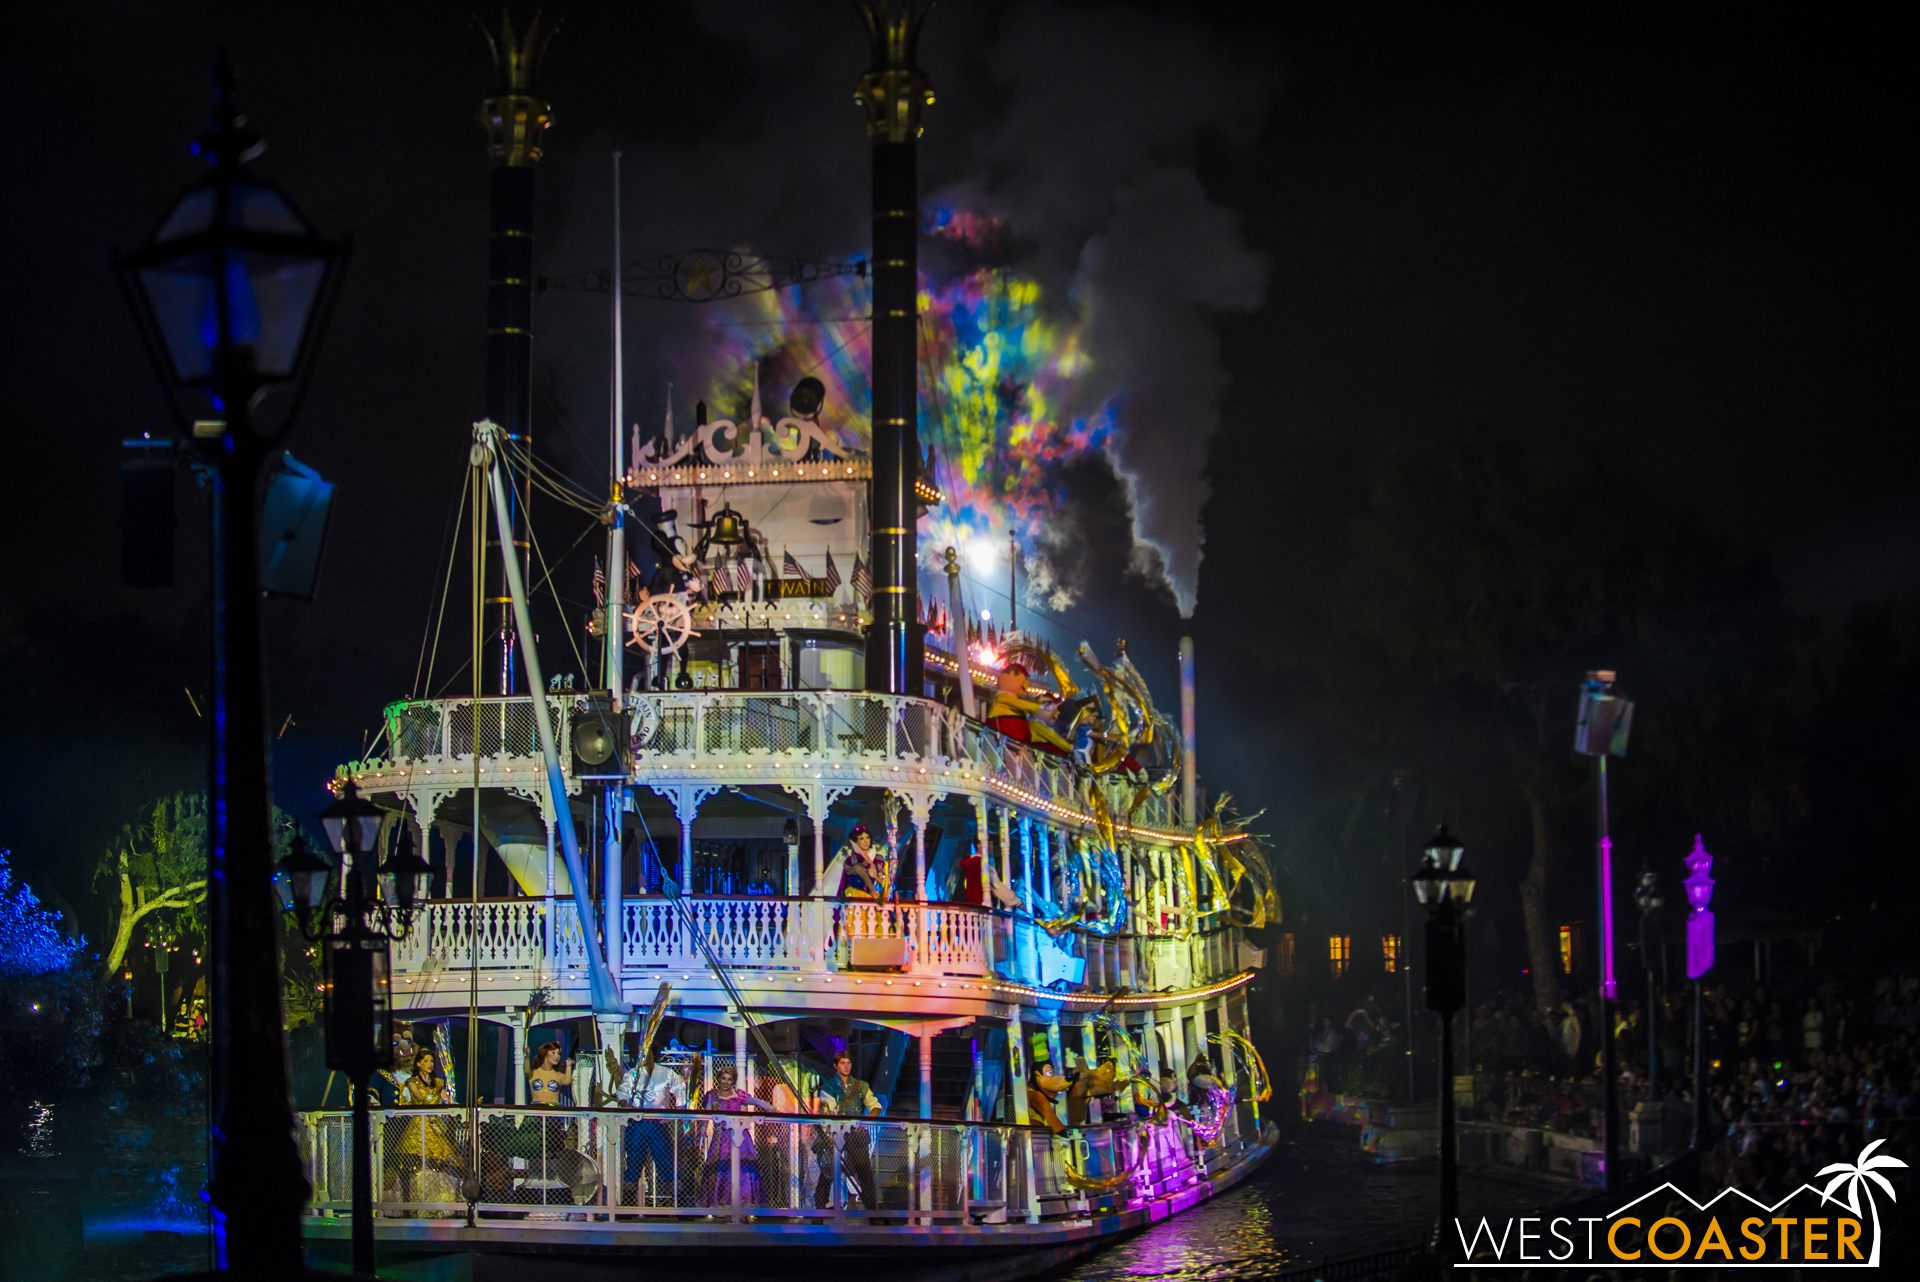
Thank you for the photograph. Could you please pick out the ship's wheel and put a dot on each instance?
(660, 623)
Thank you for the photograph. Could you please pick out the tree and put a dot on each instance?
(159, 866)
(31, 941)
(1481, 584)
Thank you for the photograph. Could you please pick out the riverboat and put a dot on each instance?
(1039, 964)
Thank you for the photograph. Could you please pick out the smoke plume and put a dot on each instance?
(1071, 132)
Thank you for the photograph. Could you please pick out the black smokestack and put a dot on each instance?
(516, 120)
(894, 92)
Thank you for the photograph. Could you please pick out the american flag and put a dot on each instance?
(599, 582)
(862, 579)
(715, 584)
(791, 567)
(743, 576)
(833, 574)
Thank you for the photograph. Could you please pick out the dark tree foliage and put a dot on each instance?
(1481, 585)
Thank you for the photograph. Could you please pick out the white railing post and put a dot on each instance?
(735, 1131)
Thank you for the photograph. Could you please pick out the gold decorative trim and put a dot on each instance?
(895, 89)
(516, 118)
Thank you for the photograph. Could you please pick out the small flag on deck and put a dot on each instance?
(862, 580)
(743, 578)
(791, 567)
(599, 583)
(833, 574)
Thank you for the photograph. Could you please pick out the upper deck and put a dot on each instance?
(808, 750)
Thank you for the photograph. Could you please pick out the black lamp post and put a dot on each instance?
(373, 905)
(231, 293)
(1444, 887)
(1649, 900)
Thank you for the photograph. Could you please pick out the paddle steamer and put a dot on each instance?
(1043, 973)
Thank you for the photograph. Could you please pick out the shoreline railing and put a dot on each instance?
(622, 1165)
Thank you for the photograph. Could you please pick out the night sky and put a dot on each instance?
(1676, 245)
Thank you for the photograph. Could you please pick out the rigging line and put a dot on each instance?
(450, 680)
(429, 654)
(554, 483)
(842, 347)
(551, 474)
(533, 541)
(791, 320)
(564, 555)
(1055, 619)
(947, 438)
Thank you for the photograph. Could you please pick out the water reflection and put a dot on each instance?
(1316, 1197)
(38, 1131)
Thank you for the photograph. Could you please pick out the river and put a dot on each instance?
(1317, 1196)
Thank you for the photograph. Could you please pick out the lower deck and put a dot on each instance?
(754, 1195)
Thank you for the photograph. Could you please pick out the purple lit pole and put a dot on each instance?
(1601, 732)
(1699, 885)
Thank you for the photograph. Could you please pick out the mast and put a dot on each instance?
(612, 873)
(893, 92)
(616, 619)
(516, 120)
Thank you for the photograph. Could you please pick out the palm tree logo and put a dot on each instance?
(1855, 1177)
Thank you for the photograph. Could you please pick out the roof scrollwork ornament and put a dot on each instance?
(895, 90)
(516, 118)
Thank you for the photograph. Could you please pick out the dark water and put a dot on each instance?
(1316, 1197)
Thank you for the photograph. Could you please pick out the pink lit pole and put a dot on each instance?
(1699, 885)
(1601, 732)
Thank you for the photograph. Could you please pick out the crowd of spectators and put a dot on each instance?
(1797, 1078)
(1787, 1104)
(1799, 1075)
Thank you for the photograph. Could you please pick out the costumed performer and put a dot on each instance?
(1013, 714)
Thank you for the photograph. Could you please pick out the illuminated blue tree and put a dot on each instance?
(30, 939)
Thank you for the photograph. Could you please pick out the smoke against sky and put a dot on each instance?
(1092, 162)
(1074, 316)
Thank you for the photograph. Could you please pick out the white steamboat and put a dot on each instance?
(1046, 987)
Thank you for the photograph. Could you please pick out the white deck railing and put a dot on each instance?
(586, 1165)
(813, 935)
(673, 728)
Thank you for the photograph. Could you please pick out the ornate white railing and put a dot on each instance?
(587, 1165)
(770, 933)
(673, 728)
(445, 730)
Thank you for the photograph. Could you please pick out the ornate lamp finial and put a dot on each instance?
(516, 118)
(895, 90)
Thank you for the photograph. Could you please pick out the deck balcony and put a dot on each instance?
(612, 1175)
(796, 739)
(509, 944)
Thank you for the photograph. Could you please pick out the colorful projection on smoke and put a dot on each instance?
(997, 373)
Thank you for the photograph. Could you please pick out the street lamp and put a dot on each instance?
(373, 904)
(1444, 887)
(1699, 886)
(1600, 731)
(1649, 900)
(231, 294)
